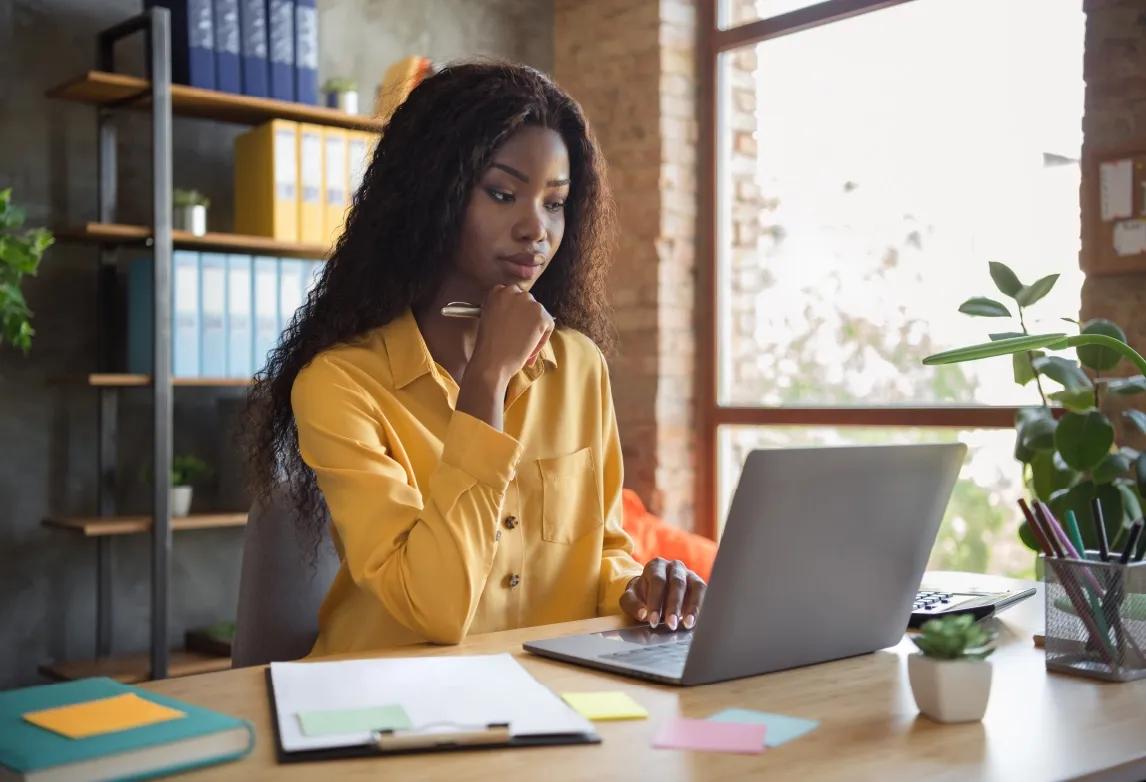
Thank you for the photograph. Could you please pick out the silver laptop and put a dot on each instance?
(821, 557)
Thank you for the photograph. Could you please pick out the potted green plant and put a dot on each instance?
(1069, 455)
(342, 94)
(186, 470)
(189, 212)
(21, 250)
(950, 675)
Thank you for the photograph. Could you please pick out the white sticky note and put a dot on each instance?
(1130, 237)
(1116, 183)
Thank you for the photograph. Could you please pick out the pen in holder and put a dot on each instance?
(1095, 617)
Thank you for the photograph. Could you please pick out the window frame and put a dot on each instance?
(711, 415)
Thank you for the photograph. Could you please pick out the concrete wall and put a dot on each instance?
(47, 429)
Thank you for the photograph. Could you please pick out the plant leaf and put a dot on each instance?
(984, 308)
(1035, 291)
(1112, 466)
(1005, 279)
(1079, 401)
(1064, 371)
(1136, 417)
(1097, 357)
(1140, 473)
(1021, 366)
(1132, 508)
(1049, 476)
(1000, 347)
(1083, 439)
(1127, 385)
(1005, 335)
(1038, 434)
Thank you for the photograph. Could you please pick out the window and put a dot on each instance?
(866, 170)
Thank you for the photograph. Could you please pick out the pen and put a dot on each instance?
(461, 309)
(1100, 529)
(1132, 543)
(1075, 533)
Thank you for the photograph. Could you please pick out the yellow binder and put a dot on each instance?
(310, 169)
(334, 191)
(360, 150)
(266, 181)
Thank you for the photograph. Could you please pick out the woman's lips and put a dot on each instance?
(524, 267)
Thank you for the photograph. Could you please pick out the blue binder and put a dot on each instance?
(184, 315)
(213, 315)
(266, 309)
(192, 41)
(280, 47)
(254, 70)
(226, 21)
(306, 52)
(240, 326)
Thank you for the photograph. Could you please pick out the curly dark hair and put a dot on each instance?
(401, 235)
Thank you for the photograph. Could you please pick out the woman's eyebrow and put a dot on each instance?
(513, 172)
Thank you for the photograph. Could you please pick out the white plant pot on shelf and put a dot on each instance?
(190, 218)
(950, 690)
(180, 500)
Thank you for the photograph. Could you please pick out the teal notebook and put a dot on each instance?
(29, 752)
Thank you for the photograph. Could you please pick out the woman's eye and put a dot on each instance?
(500, 197)
(555, 206)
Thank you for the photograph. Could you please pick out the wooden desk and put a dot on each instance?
(1038, 726)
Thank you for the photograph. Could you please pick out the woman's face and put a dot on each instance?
(515, 216)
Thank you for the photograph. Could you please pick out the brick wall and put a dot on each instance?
(1115, 73)
(632, 65)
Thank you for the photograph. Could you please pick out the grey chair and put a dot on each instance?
(280, 590)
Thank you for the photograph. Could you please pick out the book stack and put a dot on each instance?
(228, 311)
(262, 48)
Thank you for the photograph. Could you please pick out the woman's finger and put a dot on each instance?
(676, 579)
(654, 578)
(632, 604)
(693, 599)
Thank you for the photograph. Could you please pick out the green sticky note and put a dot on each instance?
(325, 723)
(606, 705)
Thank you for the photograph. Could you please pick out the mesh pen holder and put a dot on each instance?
(1095, 617)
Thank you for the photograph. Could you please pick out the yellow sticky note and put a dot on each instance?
(606, 705)
(106, 715)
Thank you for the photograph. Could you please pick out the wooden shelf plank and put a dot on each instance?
(124, 380)
(98, 526)
(101, 88)
(118, 233)
(135, 668)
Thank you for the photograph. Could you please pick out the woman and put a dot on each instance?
(471, 468)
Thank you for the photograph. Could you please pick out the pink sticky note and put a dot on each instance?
(707, 736)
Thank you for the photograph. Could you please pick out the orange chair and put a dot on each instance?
(653, 537)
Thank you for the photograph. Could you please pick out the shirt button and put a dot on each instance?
(510, 522)
(514, 581)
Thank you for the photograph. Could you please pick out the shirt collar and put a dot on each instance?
(410, 358)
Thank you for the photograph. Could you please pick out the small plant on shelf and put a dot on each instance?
(186, 471)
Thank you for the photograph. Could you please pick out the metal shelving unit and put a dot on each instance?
(110, 92)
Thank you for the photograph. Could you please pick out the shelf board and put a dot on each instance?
(135, 668)
(98, 526)
(118, 233)
(101, 88)
(118, 380)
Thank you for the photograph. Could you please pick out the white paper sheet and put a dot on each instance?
(1130, 237)
(476, 690)
(1116, 183)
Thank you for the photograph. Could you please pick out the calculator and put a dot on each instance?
(932, 601)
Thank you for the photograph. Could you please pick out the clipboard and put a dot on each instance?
(429, 736)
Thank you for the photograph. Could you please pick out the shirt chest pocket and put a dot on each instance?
(569, 495)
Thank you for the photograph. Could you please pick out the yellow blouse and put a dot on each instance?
(445, 525)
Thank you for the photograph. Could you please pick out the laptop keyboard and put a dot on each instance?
(665, 657)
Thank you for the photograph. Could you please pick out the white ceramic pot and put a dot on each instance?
(190, 218)
(343, 101)
(950, 690)
(180, 500)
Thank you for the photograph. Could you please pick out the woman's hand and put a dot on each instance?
(513, 328)
(666, 591)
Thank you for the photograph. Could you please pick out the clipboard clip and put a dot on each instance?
(429, 737)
